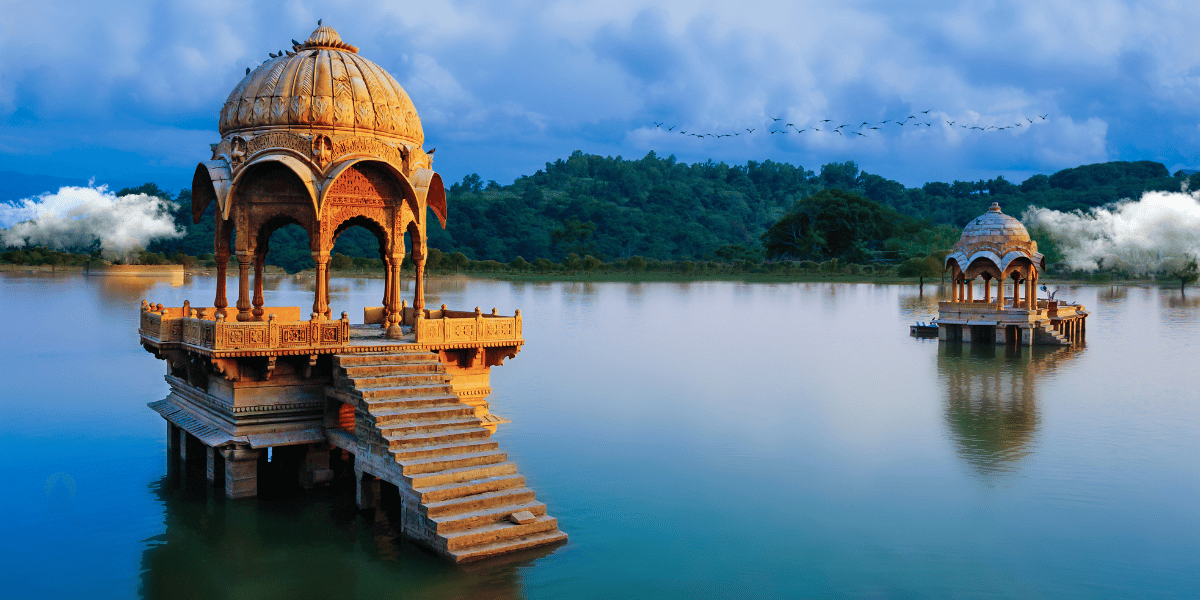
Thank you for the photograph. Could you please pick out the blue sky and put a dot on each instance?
(130, 91)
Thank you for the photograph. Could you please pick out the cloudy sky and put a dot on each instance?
(129, 91)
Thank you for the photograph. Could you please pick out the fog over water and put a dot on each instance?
(76, 217)
(1159, 230)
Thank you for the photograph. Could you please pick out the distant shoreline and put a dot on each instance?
(643, 277)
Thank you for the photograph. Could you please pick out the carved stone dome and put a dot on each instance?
(322, 85)
(993, 227)
(996, 236)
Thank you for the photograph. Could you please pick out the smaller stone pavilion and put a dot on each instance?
(995, 249)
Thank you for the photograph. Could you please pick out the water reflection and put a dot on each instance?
(306, 545)
(130, 290)
(991, 400)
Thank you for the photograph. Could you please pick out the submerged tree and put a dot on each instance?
(920, 268)
(1188, 273)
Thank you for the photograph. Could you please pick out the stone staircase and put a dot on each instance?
(461, 494)
(1046, 335)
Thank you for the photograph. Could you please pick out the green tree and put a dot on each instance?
(834, 224)
(1189, 272)
(920, 268)
(459, 261)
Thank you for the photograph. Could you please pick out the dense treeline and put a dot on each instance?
(659, 209)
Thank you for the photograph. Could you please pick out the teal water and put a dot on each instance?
(715, 440)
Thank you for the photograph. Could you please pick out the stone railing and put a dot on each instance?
(466, 328)
(169, 325)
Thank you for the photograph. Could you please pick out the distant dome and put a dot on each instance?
(322, 85)
(996, 236)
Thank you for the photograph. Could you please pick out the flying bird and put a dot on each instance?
(950, 123)
(925, 112)
(874, 128)
(1028, 119)
(672, 128)
(1043, 117)
(825, 120)
(748, 130)
(774, 119)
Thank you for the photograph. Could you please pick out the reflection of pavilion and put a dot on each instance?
(991, 400)
(325, 139)
(215, 549)
(996, 247)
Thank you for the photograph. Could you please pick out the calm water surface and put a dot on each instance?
(717, 440)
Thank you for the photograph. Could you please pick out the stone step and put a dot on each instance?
(445, 449)
(402, 428)
(496, 531)
(385, 358)
(484, 516)
(478, 502)
(389, 381)
(435, 464)
(508, 546)
(461, 475)
(430, 438)
(392, 415)
(381, 370)
(439, 493)
(351, 397)
(405, 391)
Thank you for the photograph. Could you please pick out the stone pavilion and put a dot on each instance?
(995, 253)
(321, 137)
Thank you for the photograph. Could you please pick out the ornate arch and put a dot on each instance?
(302, 172)
(368, 191)
(332, 187)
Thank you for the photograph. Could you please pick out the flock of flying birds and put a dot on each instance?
(849, 130)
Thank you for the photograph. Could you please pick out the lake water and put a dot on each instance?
(713, 439)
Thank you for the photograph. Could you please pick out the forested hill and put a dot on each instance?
(659, 208)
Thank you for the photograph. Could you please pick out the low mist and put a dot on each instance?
(77, 217)
(1159, 231)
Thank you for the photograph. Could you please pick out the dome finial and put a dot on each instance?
(327, 38)
(995, 207)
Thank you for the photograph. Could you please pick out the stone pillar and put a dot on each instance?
(954, 290)
(987, 290)
(327, 309)
(172, 443)
(241, 471)
(966, 334)
(1030, 293)
(183, 445)
(243, 302)
(314, 469)
(388, 292)
(321, 302)
(419, 297)
(259, 259)
(220, 302)
(971, 290)
(393, 320)
(214, 468)
(366, 490)
(1016, 293)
